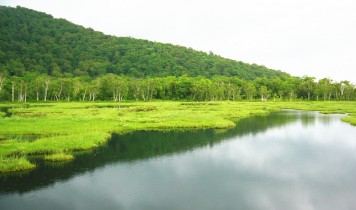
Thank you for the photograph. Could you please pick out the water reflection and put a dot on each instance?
(308, 119)
(132, 147)
(278, 161)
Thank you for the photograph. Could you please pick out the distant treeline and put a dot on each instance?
(117, 88)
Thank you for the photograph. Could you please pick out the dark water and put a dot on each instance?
(286, 160)
(6, 111)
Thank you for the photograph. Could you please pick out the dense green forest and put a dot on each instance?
(36, 42)
(43, 59)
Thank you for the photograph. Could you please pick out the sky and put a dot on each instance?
(301, 37)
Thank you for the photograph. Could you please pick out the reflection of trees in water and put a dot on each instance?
(326, 119)
(308, 119)
(141, 145)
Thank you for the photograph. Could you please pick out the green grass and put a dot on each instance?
(13, 164)
(59, 129)
(57, 157)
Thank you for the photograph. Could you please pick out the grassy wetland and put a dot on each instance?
(55, 131)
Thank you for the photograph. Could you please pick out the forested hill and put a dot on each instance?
(32, 41)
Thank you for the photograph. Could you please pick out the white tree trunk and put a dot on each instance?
(13, 91)
(46, 89)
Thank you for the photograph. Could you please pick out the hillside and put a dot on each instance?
(35, 42)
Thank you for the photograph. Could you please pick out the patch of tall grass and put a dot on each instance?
(14, 164)
(58, 157)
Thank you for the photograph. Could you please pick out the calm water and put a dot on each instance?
(287, 160)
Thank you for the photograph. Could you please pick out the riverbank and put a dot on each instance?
(60, 129)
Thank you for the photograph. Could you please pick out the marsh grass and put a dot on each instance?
(351, 118)
(14, 164)
(58, 157)
(64, 128)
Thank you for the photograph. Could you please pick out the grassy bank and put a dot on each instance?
(328, 107)
(56, 130)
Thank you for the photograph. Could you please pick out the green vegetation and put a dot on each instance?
(48, 59)
(13, 164)
(58, 157)
(56, 130)
(36, 43)
(45, 59)
(118, 88)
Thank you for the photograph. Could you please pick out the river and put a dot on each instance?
(285, 160)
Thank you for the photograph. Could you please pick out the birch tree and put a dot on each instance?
(46, 86)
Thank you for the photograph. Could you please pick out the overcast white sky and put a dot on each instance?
(301, 37)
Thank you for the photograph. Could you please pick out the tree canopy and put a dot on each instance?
(32, 41)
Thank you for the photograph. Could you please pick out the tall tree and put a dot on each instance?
(342, 86)
(325, 88)
(68, 88)
(249, 89)
(264, 93)
(47, 81)
(94, 89)
(308, 85)
(148, 89)
(136, 88)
